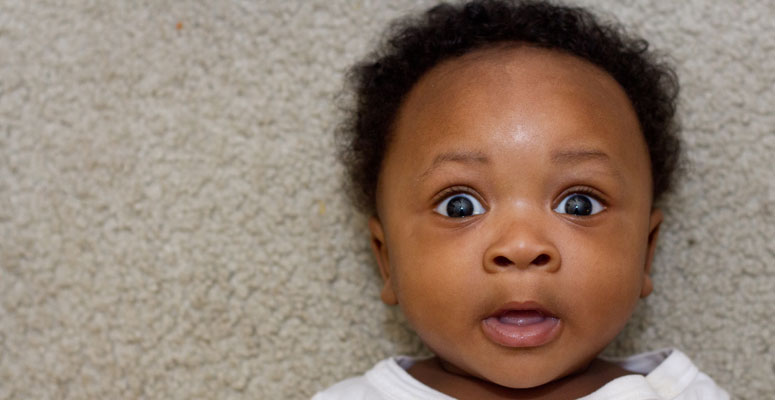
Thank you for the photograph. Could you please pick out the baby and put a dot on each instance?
(511, 156)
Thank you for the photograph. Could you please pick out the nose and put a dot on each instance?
(521, 244)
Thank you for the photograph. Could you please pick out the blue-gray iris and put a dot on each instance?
(578, 205)
(459, 207)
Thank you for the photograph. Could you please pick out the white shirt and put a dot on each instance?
(669, 374)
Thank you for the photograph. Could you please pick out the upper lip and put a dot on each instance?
(521, 306)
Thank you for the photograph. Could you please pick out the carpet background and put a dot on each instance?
(172, 223)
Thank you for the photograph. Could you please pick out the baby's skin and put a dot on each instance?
(515, 226)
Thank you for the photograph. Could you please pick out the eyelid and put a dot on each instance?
(598, 202)
(585, 190)
(453, 190)
(443, 206)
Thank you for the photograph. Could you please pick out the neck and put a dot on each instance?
(439, 375)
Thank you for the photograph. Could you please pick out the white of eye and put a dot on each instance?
(580, 205)
(460, 205)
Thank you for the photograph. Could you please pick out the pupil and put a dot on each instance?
(460, 207)
(578, 205)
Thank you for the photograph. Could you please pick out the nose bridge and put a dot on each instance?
(522, 239)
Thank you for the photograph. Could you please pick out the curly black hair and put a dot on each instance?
(414, 45)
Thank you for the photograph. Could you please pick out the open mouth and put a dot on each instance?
(521, 325)
(522, 317)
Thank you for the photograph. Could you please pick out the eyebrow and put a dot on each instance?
(578, 156)
(575, 156)
(464, 157)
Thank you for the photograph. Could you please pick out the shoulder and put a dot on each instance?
(366, 386)
(388, 379)
(353, 388)
(663, 374)
(678, 378)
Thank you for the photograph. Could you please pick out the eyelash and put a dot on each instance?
(593, 205)
(584, 190)
(453, 190)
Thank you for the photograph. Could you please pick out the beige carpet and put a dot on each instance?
(172, 224)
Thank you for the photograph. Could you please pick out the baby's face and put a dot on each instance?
(515, 225)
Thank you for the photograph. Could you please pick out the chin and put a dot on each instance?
(522, 382)
(526, 378)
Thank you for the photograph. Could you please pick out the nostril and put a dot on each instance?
(543, 259)
(502, 261)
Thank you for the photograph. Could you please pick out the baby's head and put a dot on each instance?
(511, 156)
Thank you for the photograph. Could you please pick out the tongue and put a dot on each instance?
(521, 317)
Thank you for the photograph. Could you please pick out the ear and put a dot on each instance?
(380, 250)
(655, 221)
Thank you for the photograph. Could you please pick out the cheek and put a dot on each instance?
(433, 274)
(606, 277)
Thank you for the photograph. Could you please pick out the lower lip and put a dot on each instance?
(530, 331)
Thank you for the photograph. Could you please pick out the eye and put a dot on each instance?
(578, 204)
(460, 205)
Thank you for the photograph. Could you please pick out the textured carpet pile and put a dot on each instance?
(172, 223)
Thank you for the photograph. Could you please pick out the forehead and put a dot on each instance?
(533, 80)
(517, 93)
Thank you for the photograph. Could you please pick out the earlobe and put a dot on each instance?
(655, 221)
(379, 248)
